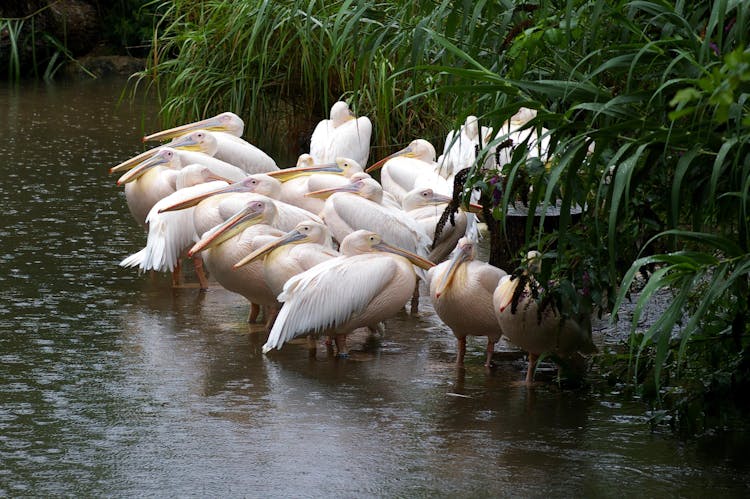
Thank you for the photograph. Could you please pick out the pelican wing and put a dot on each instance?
(351, 140)
(328, 295)
(394, 226)
(243, 154)
(169, 233)
(320, 139)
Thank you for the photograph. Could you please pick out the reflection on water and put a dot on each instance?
(114, 384)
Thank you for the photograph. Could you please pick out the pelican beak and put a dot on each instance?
(438, 198)
(406, 151)
(415, 259)
(325, 193)
(188, 203)
(459, 257)
(290, 173)
(130, 163)
(213, 124)
(234, 225)
(288, 238)
(505, 289)
(136, 171)
(185, 142)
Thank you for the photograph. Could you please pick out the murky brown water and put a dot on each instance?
(114, 384)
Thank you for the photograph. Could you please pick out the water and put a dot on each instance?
(115, 384)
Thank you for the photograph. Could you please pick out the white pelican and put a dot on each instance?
(307, 245)
(341, 136)
(151, 181)
(148, 181)
(459, 152)
(368, 284)
(253, 185)
(253, 224)
(517, 312)
(461, 291)
(226, 129)
(513, 129)
(307, 177)
(171, 233)
(413, 166)
(357, 206)
(427, 208)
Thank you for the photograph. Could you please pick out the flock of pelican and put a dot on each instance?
(323, 248)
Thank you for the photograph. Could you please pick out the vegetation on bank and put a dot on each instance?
(646, 103)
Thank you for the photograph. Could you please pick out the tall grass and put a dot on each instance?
(32, 51)
(646, 103)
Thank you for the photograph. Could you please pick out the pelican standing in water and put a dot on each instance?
(228, 243)
(226, 130)
(300, 249)
(461, 290)
(368, 284)
(342, 135)
(518, 314)
(171, 233)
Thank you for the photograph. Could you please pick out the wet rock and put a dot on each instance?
(103, 65)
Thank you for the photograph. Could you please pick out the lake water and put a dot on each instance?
(115, 384)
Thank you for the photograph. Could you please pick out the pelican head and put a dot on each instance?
(304, 232)
(254, 212)
(224, 122)
(361, 184)
(340, 113)
(365, 241)
(164, 156)
(200, 140)
(194, 141)
(465, 252)
(418, 149)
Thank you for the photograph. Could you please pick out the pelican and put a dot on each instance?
(342, 135)
(357, 205)
(516, 131)
(297, 182)
(413, 166)
(307, 245)
(370, 282)
(195, 147)
(151, 181)
(171, 233)
(427, 208)
(522, 323)
(254, 223)
(461, 291)
(460, 148)
(226, 130)
(259, 184)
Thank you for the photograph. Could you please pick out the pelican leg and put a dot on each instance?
(270, 313)
(254, 312)
(532, 366)
(200, 273)
(461, 351)
(342, 350)
(312, 346)
(490, 350)
(176, 273)
(415, 299)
